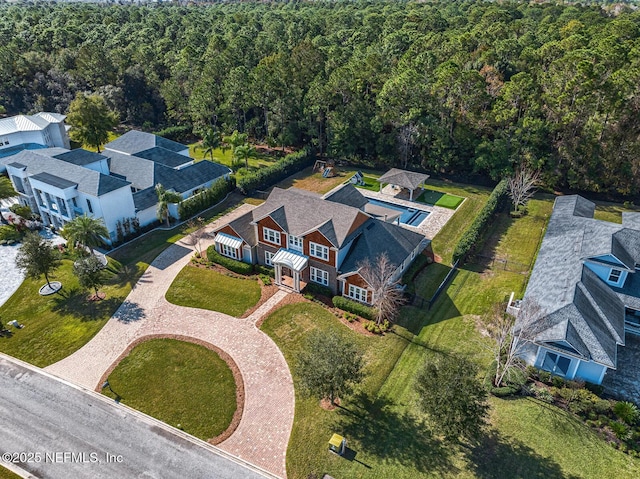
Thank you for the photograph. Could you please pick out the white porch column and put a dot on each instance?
(296, 281)
(411, 194)
(278, 274)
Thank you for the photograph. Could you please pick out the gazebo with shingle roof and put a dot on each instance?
(405, 179)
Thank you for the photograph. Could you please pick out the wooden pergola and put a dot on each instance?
(404, 179)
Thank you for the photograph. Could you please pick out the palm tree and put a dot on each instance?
(244, 152)
(164, 198)
(87, 231)
(210, 141)
(6, 191)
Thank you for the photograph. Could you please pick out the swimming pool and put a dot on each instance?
(410, 216)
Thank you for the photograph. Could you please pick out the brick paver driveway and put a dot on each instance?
(263, 433)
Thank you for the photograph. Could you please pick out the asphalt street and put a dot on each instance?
(57, 431)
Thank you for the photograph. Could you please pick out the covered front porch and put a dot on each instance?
(289, 265)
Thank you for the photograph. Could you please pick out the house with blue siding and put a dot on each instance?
(585, 287)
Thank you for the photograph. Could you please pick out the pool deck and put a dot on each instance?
(432, 224)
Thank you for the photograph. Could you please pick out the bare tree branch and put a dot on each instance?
(522, 186)
(387, 295)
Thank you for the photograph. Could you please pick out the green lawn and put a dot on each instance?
(438, 198)
(612, 211)
(58, 325)
(370, 183)
(382, 422)
(182, 384)
(208, 289)
(476, 196)
(7, 474)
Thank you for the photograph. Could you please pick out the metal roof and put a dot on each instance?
(228, 240)
(54, 180)
(20, 123)
(293, 259)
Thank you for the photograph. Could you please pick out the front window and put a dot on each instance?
(272, 236)
(357, 293)
(295, 243)
(268, 258)
(614, 276)
(227, 250)
(319, 276)
(318, 251)
(556, 364)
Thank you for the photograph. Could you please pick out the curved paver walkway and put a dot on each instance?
(263, 433)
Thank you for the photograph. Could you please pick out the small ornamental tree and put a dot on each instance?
(453, 396)
(91, 120)
(522, 186)
(387, 295)
(329, 366)
(90, 273)
(37, 257)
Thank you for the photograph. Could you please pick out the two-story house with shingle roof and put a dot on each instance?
(586, 291)
(324, 240)
(60, 184)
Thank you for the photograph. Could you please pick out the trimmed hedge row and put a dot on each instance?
(205, 199)
(267, 176)
(231, 264)
(315, 288)
(354, 307)
(474, 231)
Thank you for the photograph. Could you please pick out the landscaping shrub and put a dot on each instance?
(180, 133)
(21, 210)
(544, 376)
(264, 270)
(354, 307)
(315, 288)
(474, 231)
(626, 411)
(205, 199)
(229, 263)
(267, 176)
(542, 393)
(266, 279)
(9, 234)
(620, 430)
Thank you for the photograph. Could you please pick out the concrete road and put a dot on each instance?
(52, 429)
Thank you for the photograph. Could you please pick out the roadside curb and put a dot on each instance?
(140, 415)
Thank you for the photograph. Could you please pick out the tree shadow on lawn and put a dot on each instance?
(378, 429)
(75, 302)
(497, 457)
(127, 275)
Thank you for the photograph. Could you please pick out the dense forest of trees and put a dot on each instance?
(464, 87)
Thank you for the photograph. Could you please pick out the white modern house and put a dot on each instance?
(31, 132)
(61, 184)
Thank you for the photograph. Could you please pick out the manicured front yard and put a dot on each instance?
(382, 422)
(182, 384)
(208, 289)
(57, 325)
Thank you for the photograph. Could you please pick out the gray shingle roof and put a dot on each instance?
(89, 181)
(80, 157)
(144, 199)
(54, 180)
(347, 195)
(134, 141)
(304, 212)
(242, 225)
(378, 237)
(164, 157)
(404, 178)
(189, 177)
(138, 171)
(576, 305)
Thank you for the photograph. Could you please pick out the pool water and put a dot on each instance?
(410, 216)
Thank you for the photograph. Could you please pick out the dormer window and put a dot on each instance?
(614, 276)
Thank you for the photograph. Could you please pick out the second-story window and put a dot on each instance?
(319, 251)
(295, 243)
(272, 236)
